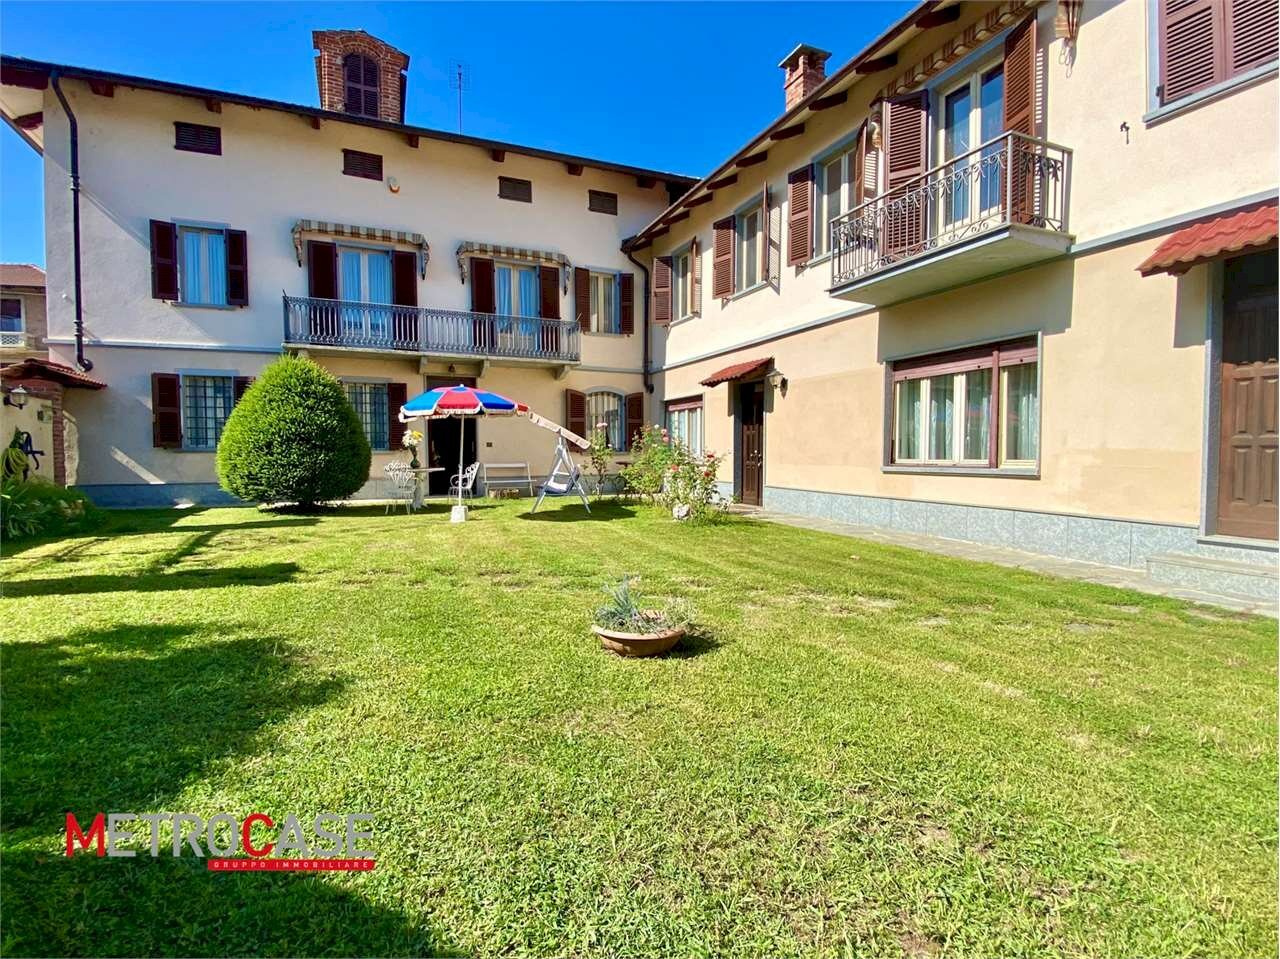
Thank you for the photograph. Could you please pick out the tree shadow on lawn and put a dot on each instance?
(602, 511)
(123, 719)
(156, 580)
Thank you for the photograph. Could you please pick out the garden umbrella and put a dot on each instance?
(462, 401)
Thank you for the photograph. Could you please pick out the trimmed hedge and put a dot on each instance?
(293, 438)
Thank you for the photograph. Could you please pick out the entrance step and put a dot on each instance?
(1258, 580)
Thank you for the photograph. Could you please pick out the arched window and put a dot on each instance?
(360, 77)
(606, 407)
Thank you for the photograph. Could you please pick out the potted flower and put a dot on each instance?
(626, 629)
(412, 440)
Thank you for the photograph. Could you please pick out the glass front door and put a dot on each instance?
(972, 114)
(365, 278)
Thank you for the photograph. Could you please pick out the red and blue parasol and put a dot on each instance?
(459, 401)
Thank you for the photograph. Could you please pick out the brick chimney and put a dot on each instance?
(359, 74)
(806, 68)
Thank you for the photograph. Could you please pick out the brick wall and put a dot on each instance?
(334, 45)
(804, 75)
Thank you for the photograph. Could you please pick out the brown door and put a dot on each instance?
(444, 435)
(751, 442)
(1247, 454)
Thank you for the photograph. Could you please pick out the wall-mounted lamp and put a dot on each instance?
(777, 381)
(16, 397)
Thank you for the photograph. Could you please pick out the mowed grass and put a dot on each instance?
(864, 750)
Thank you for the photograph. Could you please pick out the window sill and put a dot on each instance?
(762, 285)
(604, 333)
(194, 449)
(1012, 472)
(817, 260)
(1210, 94)
(204, 306)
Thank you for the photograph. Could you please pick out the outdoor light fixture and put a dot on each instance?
(16, 397)
(776, 380)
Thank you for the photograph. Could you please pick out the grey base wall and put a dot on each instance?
(1113, 542)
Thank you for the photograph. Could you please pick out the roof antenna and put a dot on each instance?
(459, 79)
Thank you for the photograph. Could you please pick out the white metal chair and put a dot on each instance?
(464, 482)
(403, 485)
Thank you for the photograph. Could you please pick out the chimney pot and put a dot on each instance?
(805, 70)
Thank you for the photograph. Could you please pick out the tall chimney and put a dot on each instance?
(806, 68)
(359, 74)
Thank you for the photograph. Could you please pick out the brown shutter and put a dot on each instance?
(166, 410)
(626, 304)
(1019, 114)
(483, 298)
(859, 172)
(237, 268)
(404, 278)
(906, 123)
(549, 292)
(695, 277)
(800, 215)
(1192, 46)
(397, 396)
(722, 259)
(575, 412)
(241, 384)
(582, 298)
(322, 270)
(764, 233)
(164, 260)
(1251, 34)
(662, 290)
(634, 418)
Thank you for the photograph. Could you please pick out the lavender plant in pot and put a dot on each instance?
(626, 629)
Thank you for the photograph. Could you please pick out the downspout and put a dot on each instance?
(81, 360)
(648, 385)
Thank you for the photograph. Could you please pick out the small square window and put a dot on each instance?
(600, 202)
(510, 188)
(365, 165)
(197, 138)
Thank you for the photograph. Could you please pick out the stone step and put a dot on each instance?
(1254, 580)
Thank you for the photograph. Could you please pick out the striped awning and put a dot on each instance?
(376, 234)
(467, 248)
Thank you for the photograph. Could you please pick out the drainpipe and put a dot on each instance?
(648, 386)
(81, 360)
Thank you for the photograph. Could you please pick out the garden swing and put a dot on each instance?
(563, 479)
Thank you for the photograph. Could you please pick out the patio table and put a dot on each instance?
(420, 475)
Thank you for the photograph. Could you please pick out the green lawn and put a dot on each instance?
(865, 751)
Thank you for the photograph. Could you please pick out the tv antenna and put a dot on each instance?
(459, 79)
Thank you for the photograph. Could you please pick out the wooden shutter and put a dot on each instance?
(626, 304)
(764, 233)
(858, 173)
(633, 418)
(483, 298)
(662, 290)
(575, 412)
(322, 270)
(237, 268)
(906, 124)
(367, 166)
(404, 278)
(164, 260)
(722, 258)
(549, 292)
(1251, 34)
(241, 384)
(197, 138)
(582, 298)
(397, 396)
(166, 410)
(1192, 48)
(695, 277)
(1020, 116)
(800, 215)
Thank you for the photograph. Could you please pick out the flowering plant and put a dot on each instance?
(412, 440)
(691, 491)
(651, 457)
(600, 454)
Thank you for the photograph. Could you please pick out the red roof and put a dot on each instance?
(21, 274)
(738, 371)
(38, 369)
(1229, 233)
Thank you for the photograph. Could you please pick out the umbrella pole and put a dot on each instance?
(459, 512)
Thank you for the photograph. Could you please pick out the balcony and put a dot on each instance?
(15, 341)
(998, 207)
(342, 325)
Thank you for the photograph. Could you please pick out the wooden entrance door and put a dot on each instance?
(1247, 455)
(751, 443)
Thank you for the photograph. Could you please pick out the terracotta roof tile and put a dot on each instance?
(21, 274)
(1229, 233)
(738, 371)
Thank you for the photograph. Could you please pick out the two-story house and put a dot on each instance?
(193, 235)
(1009, 276)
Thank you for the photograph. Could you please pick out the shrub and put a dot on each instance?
(691, 491)
(293, 438)
(651, 458)
(600, 455)
(36, 507)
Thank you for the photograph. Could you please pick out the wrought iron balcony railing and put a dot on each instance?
(380, 326)
(1010, 180)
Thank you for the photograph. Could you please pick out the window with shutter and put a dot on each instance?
(242, 384)
(1206, 42)
(367, 166)
(906, 123)
(197, 138)
(166, 410)
(626, 304)
(634, 417)
(360, 82)
(237, 268)
(582, 298)
(695, 282)
(600, 202)
(397, 396)
(800, 215)
(482, 286)
(1252, 28)
(511, 188)
(164, 260)
(549, 292)
(575, 412)
(722, 258)
(662, 290)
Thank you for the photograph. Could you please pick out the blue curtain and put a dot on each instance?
(502, 283)
(529, 301)
(217, 244)
(192, 267)
(379, 292)
(352, 321)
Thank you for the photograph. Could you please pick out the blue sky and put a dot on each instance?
(619, 81)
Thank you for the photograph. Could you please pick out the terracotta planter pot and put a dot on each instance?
(638, 644)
